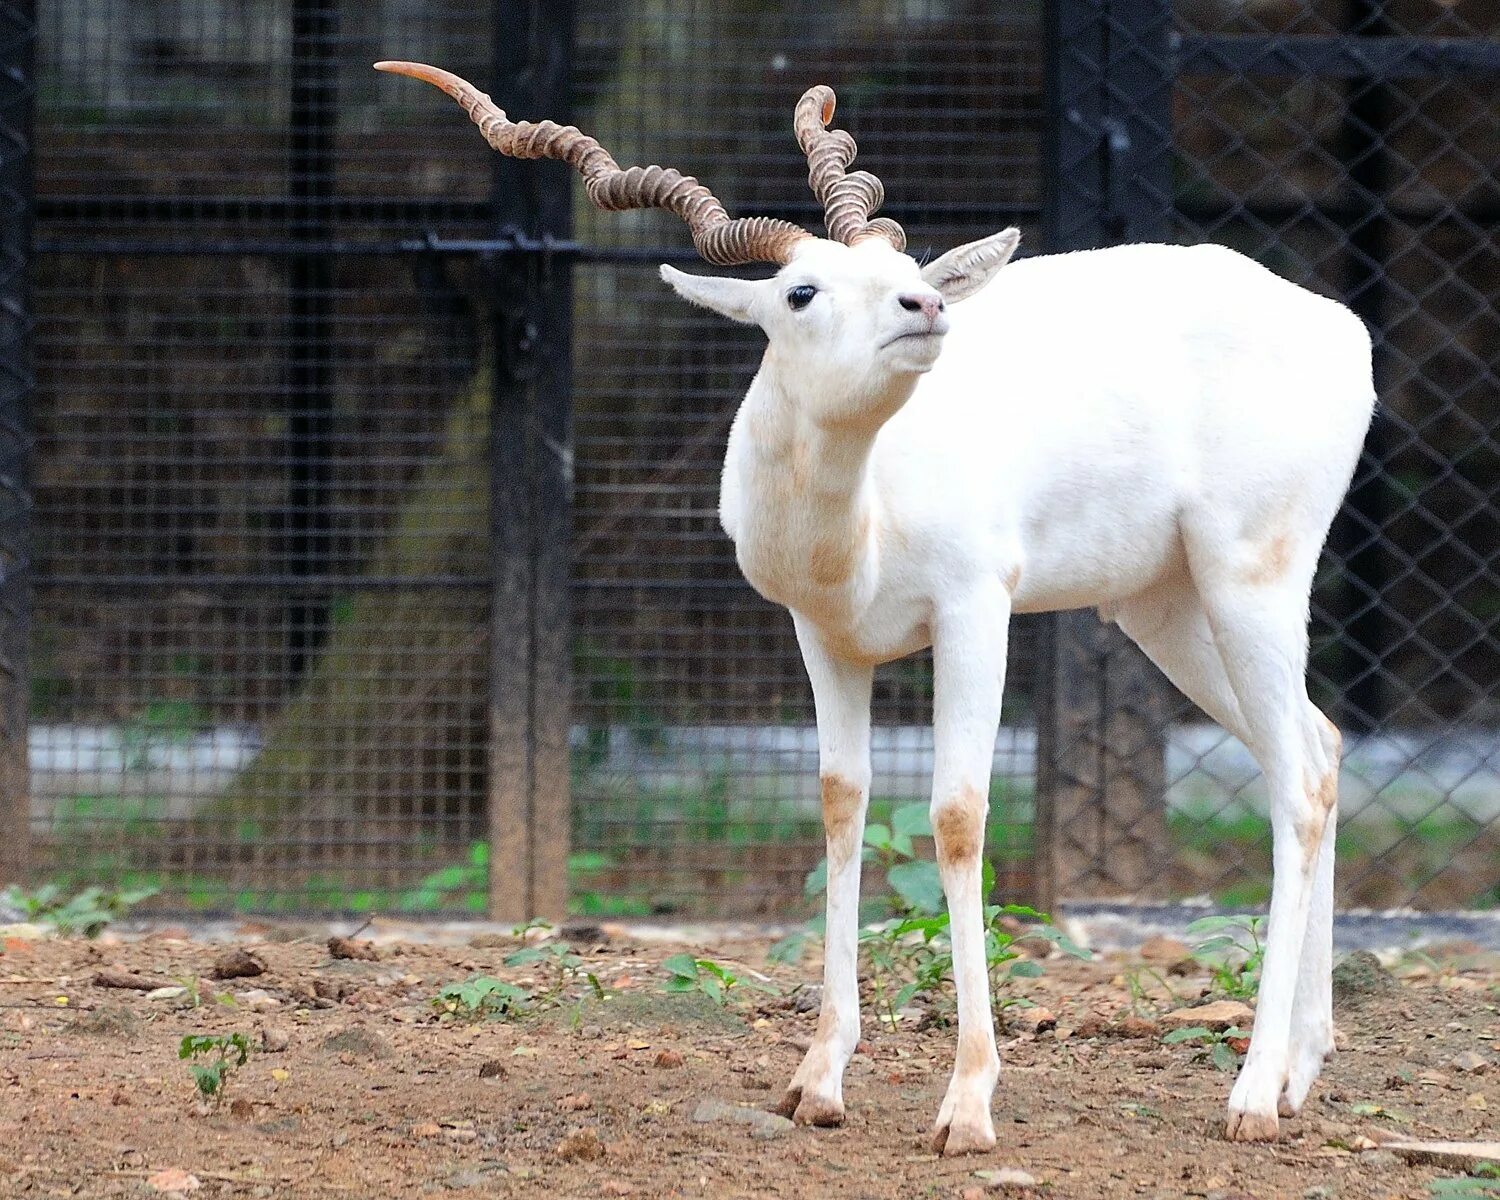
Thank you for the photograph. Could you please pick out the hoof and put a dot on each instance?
(1251, 1127)
(962, 1137)
(810, 1110)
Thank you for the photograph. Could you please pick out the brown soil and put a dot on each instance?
(596, 1099)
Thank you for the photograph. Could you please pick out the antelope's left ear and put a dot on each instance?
(732, 298)
(965, 269)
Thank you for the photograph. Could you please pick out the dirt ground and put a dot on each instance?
(358, 1087)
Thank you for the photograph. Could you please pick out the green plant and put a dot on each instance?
(1233, 951)
(229, 1051)
(1215, 1045)
(1482, 1184)
(915, 887)
(479, 997)
(88, 912)
(559, 964)
(688, 974)
(1135, 984)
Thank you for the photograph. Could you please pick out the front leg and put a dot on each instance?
(969, 644)
(841, 693)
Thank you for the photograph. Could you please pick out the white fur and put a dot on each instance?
(1162, 432)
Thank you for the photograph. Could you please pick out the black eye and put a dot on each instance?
(800, 297)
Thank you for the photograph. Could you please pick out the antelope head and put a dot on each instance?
(851, 317)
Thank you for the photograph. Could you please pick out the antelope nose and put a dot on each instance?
(929, 306)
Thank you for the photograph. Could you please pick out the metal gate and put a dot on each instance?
(1350, 148)
(314, 625)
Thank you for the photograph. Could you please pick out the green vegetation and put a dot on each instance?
(1482, 1184)
(904, 935)
(88, 912)
(226, 1052)
(706, 977)
(480, 997)
(1214, 1045)
(1233, 951)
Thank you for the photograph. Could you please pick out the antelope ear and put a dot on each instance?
(965, 269)
(728, 297)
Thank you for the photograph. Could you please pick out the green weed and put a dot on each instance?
(1233, 950)
(227, 1053)
(480, 997)
(88, 912)
(1213, 1045)
(688, 974)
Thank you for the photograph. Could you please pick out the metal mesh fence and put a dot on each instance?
(279, 623)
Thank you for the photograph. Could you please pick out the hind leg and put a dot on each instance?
(1312, 1007)
(1263, 635)
(1170, 625)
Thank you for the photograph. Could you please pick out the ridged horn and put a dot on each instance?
(847, 200)
(719, 238)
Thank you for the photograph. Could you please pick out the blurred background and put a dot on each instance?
(358, 495)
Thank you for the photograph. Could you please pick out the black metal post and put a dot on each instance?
(310, 171)
(17, 383)
(1102, 711)
(1360, 535)
(531, 483)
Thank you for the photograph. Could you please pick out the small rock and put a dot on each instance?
(1319, 1191)
(359, 1041)
(1470, 1062)
(491, 941)
(174, 1181)
(108, 1021)
(591, 1032)
(580, 1144)
(1164, 950)
(576, 1102)
(1461, 1156)
(331, 989)
(1219, 1015)
(668, 1059)
(130, 981)
(241, 1109)
(339, 1140)
(1359, 976)
(762, 1124)
(807, 998)
(167, 993)
(274, 1039)
(1007, 1178)
(1134, 1027)
(1090, 1026)
(258, 1000)
(238, 963)
(339, 947)
(1379, 1160)
(1034, 1020)
(492, 1068)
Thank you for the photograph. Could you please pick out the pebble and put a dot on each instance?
(274, 1039)
(1470, 1062)
(1221, 1014)
(357, 1040)
(258, 1000)
(580, 1144)
(668, 1059)
(166, 993)
(492, 1068)
(1007, 1178)
(238, 963)
(762, 1124)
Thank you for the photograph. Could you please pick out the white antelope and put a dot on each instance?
(1162, 432)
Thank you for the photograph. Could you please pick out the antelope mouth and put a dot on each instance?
(916, 334)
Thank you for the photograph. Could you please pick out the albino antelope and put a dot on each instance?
(1163, 432)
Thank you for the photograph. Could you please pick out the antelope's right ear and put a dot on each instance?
(728, 297)
(964, 270)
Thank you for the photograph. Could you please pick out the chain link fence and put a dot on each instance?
(315, 627)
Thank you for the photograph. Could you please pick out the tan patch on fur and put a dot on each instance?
(841, 801)
(1322, 791)
(973, 1056)
(1272, 560)
(833, 562)
(958, 828)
